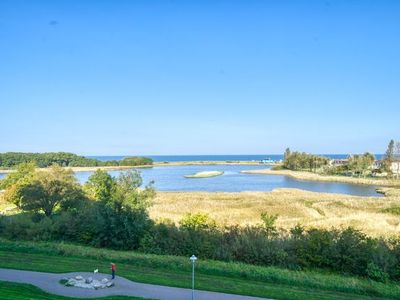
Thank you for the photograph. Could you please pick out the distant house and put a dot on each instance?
(338, 162)
(395, 167)
(377, 164)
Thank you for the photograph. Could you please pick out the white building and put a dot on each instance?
(395, 167)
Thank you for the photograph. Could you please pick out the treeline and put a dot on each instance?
(353, 165)
(64, 159)
(359, 164)
(303, 161)
(113, 212)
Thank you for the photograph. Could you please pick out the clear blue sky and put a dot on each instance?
(199, 77)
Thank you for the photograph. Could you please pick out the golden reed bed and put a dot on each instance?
(293, 206)
(375, 216)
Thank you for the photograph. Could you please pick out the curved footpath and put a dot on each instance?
(49, 282)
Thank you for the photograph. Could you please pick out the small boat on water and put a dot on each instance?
(267, 161)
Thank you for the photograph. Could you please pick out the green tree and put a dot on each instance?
(287, 153)
(361, 164)
(46, 191)
(23, 174)
(197, 221)
(100, 186)
(303, 161)
(121, 212)
(129, 193)
(135, 161)
(389, 157)
(268, 223)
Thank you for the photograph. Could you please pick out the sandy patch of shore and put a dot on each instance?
(302, 175)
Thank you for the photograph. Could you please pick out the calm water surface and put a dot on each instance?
(248, 157)
(171, 179)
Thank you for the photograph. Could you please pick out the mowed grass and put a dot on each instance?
(18, 291)
(376, 216)
(233, 278)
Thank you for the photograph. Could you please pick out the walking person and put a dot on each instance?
(113, 268)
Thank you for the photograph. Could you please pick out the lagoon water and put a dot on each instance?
(171, 178)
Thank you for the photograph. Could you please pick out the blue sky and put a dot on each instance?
(199, 77)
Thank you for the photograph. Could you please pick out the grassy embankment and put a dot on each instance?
(176, 271)
(205, 174)
(303, 175)
(18, 291)
(376, 216)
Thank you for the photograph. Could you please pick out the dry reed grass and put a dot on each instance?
(373, 215)
(292, 206)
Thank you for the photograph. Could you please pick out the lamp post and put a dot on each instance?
(193, 259)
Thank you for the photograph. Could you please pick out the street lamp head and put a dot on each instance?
(193, 258)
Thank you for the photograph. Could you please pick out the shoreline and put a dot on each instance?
(156, 164)
(210, 162)
(307, 176)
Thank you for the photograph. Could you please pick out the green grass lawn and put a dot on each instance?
(176, 271)
(18, 291)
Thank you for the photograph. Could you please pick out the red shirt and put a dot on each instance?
(112, 267)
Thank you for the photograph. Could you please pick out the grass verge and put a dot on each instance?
(18, 291)
(233, 278)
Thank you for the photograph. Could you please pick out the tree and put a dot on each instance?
(389, 157)
(128, 192)
(121, 210)
(286, 154)
(135, 161)
(46, 191)
(23, 174)
(301, 161)
(268, 223)
(396, 158)
(396, 152)
(360, 164)
(197, 221)
(100, 186)
(121, 192)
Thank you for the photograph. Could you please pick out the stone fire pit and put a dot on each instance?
(88, 283)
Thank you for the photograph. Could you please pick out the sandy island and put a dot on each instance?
(205, 174)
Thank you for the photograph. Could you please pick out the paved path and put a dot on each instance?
(49, 282)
